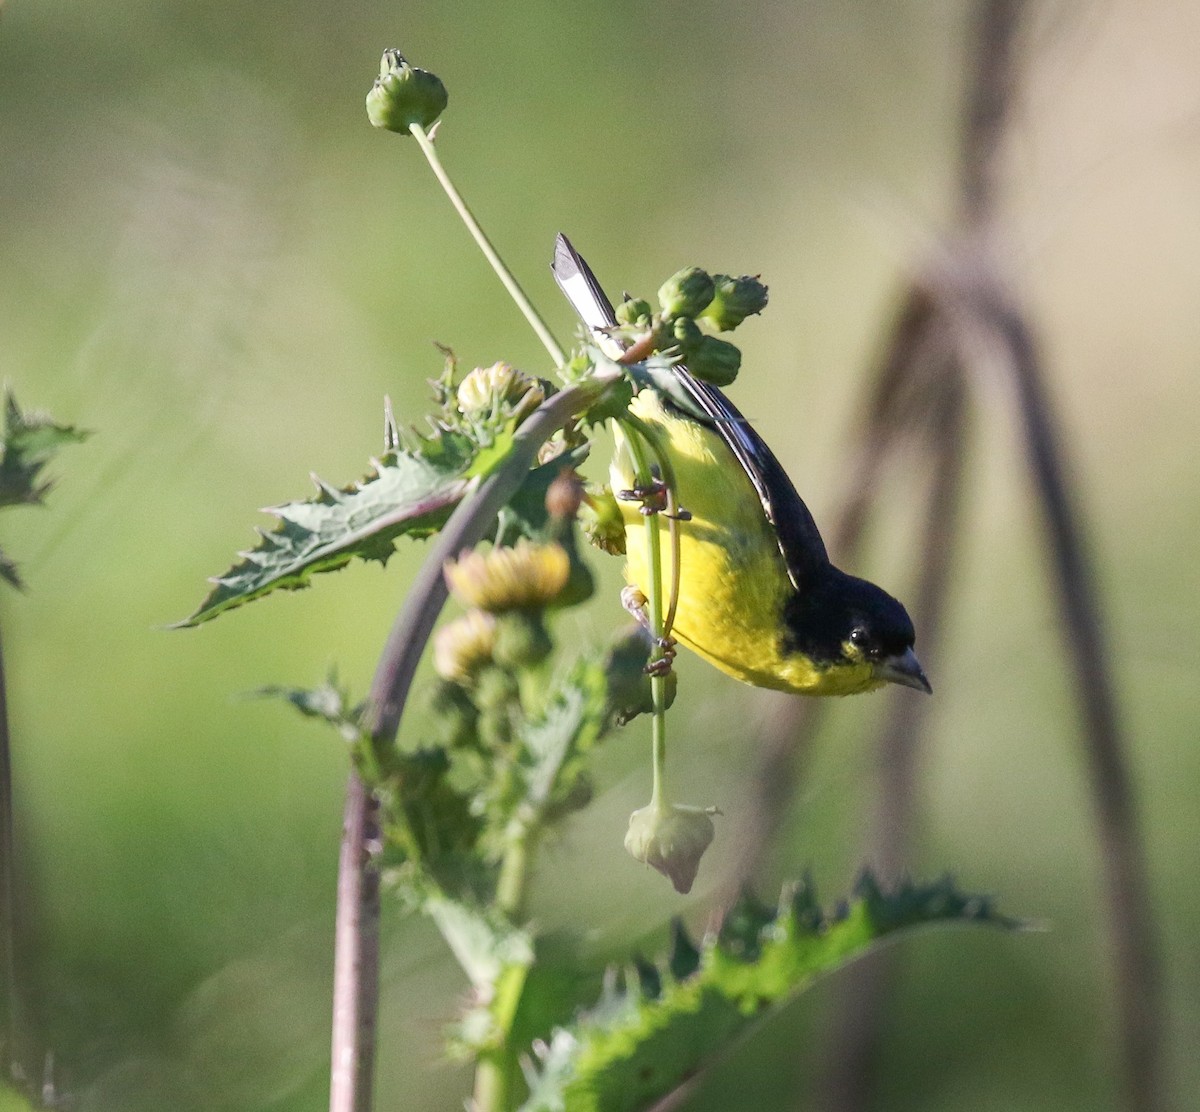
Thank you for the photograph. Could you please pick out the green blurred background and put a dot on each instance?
(209, 258)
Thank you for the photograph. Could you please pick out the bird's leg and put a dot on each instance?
(634, 602)
(652, 496)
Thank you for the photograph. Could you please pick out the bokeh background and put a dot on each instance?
(210, 259)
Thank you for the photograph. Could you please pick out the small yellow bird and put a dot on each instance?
(758, 596)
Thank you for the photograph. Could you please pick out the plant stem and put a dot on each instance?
(658, 681)
(514, 875)
(485, 245)
(496, 1069)
(356, 965)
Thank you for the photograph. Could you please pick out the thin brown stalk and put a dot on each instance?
(858, 1026)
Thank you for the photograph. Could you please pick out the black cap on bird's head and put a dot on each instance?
(839, 619)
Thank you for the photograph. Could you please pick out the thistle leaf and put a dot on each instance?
(30, 441)
(637, 1046)
(407, 493)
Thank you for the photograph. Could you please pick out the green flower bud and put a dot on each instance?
(495, 728)
(495, 691)
(687, 334)
(521, 639)
(455, 716)
(671, 839)
(687, 293)
(403, 95)
(734, 299)
(633, 310)
(603, 525)
(715, 361)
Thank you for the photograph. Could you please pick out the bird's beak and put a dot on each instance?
(904, 669)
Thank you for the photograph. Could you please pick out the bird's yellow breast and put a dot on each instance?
(733, 582)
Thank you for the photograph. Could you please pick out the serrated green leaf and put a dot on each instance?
(556, 744)
(634, 1048)
(31, 440)
(329, 702)
(483, 940)
(406, 494)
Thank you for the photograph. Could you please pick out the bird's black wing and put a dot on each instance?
(799, 539)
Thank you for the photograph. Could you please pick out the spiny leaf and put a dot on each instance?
(329, 702)
(406, 493)
(556, 745)
(636, 1046)
(30, 441)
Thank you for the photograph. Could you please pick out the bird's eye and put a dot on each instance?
(858, 636)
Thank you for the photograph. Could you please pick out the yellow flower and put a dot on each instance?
(526, 576)
(463, 646)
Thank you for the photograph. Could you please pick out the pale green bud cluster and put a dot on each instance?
(693, 304)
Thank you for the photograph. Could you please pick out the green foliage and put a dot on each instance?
(407, 493)
(655, 1026)
(410, 491)
(31, 439)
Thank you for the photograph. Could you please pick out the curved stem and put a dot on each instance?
(485, 245)
(356, 968)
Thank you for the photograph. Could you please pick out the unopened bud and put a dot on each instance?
(634, 310)
(687, 334)
(734, 299)
(671, 839)
(403, 95)
(564, 495)
(715, 361)
(602, 522)
(687, 293)
(521, 639)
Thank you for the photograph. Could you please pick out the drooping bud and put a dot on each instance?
(687, 293)
(671, 839)
(713, 360)
(525, 576)
(404, 95)
(734, 299)
(463, 646)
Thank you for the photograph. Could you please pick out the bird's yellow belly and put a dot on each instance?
(733, 582)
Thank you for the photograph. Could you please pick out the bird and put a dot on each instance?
(758, 595)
